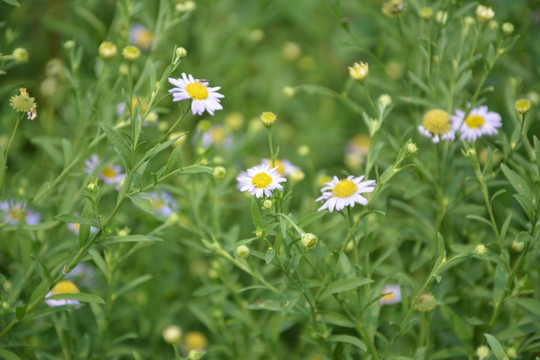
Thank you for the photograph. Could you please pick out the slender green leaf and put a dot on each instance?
(132, 284)
(256, 213)
(14, 3)
(74, 219)
(496, 347)
(5, 354)
(143, 203)
(531, 305)
(121, 146)
(348, 339)
(343, 285)
(517, 182)
(310, 218)
(84, 230)
(129, 238)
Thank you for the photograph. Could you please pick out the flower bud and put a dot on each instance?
(484, 13)
(107, 50)
(69, 45)
(172, 334)
(359, 71)
(131, 53)
(482, 352)
(412, 148)
(242, 251)
(20, 55)
(219, 172)
(507, 28)
(181, 52)
(425, 13)
(288, 92)
(267, 204)
(268, 118)
(523, 106)
(309, 240)
(480, 250)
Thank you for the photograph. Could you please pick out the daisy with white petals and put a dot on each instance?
(260, 180)
(346, 192)
(478, 122)
(203, 98)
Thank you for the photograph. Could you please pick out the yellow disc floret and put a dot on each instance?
(261, 180)
(197, 91)
(475, 121)
(65, 287)
(345, 188)
(437, 122)
(108, 172)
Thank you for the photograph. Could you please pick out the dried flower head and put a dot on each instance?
(24, 103)
(394, 7)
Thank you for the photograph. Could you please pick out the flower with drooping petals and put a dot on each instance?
(345, 192)
(203, 98)
(141, 36)
(284, 166)
(111, 174)
(260, 180)
(478, 122)
(437, 126)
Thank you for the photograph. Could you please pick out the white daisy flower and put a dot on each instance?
(63, 287)
(216, 134)
(204, 98)
(392, 295)
(111, 174)
(141, 37)
(345, 192)
(163, 203)
(437, 126)
(284, 166)
(479, 122)
(260, 180)
(16, 211)
(356, 150)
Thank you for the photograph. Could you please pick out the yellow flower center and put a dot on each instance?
(108, 172)
(388, 297)
(158, 204)
(197, 91)
(345, 188)
(65, 287)
(437, 122)
(261, 180)
(475, 121)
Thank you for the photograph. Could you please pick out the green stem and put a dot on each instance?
(6, 153)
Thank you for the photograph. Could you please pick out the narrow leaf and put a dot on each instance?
(496, 347)
(343, 285)
(143, 203)
(348, 339)
(120, 144)
(82, 297)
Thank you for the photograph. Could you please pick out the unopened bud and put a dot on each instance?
(309, 240)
